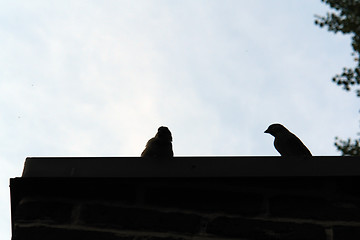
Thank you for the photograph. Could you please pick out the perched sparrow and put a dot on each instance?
(160, 145)
(286, 143)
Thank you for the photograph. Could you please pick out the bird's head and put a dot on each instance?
(276, 129)
(164, 133)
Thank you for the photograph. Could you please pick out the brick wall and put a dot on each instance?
(166, 208)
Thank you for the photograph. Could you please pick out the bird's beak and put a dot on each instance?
(266, 131)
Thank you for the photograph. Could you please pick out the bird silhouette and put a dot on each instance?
(159, 146)
(287, 143)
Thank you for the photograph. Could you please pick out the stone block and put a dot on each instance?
(264, 230)
(205, 200)
(318, 208)
(47, 233)
(130, 218)
(49, 211)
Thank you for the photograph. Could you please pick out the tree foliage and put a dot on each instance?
(348, 147)
(345, 19)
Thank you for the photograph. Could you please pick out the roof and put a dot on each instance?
(206, 166)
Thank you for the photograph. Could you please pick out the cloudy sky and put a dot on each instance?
(97, 78)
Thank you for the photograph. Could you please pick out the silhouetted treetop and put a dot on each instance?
(345, 19)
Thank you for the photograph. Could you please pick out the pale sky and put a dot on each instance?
(97, 78)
